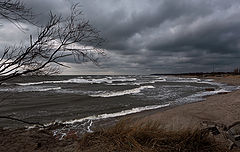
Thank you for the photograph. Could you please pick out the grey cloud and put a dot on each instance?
(151, 36)
(42, 8)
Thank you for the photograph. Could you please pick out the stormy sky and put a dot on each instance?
(150, 36)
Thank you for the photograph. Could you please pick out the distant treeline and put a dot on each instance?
(201, 73)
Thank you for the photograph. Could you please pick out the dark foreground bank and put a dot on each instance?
(120, 137)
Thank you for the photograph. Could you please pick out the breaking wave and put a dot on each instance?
(117, 114)
(138, 83)
(186, 80)
(81, 80)
(121, 93)
(50, 89)
(199, 96)
(30, 89)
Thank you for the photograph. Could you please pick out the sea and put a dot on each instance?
(79, 102)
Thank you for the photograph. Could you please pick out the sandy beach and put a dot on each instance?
(220, 108)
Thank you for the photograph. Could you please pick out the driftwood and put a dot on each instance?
(231, 133)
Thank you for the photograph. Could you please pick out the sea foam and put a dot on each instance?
(30, 89)
(82, 80)
(199, 96)
(121, 93)
(138, 83)
(117, 114)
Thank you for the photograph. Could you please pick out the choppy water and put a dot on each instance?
(81, 100)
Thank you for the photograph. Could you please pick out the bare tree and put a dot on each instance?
(53, 42)
(59, 38)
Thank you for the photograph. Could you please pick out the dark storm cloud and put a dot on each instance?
(42, 8)
(127, 19)
(150, 36)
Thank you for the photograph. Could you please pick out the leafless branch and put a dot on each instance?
(15, 12)
(61, 37)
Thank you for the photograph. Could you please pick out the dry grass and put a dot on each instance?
(148, 138)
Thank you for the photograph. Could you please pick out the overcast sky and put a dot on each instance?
(151, 36)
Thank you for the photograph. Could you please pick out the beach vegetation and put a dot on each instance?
(149, 137)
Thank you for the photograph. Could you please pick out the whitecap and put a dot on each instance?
(121, 93)
(81, 80)
(30, 83)
(117, 114)
(186, 80)
(199, 96)
(30, 89)
(138, 83)
(50, 89)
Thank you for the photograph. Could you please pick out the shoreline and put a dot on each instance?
(153, 114)
(138, 115)
(217, 108)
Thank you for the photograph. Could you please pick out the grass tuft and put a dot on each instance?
(148, 138)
